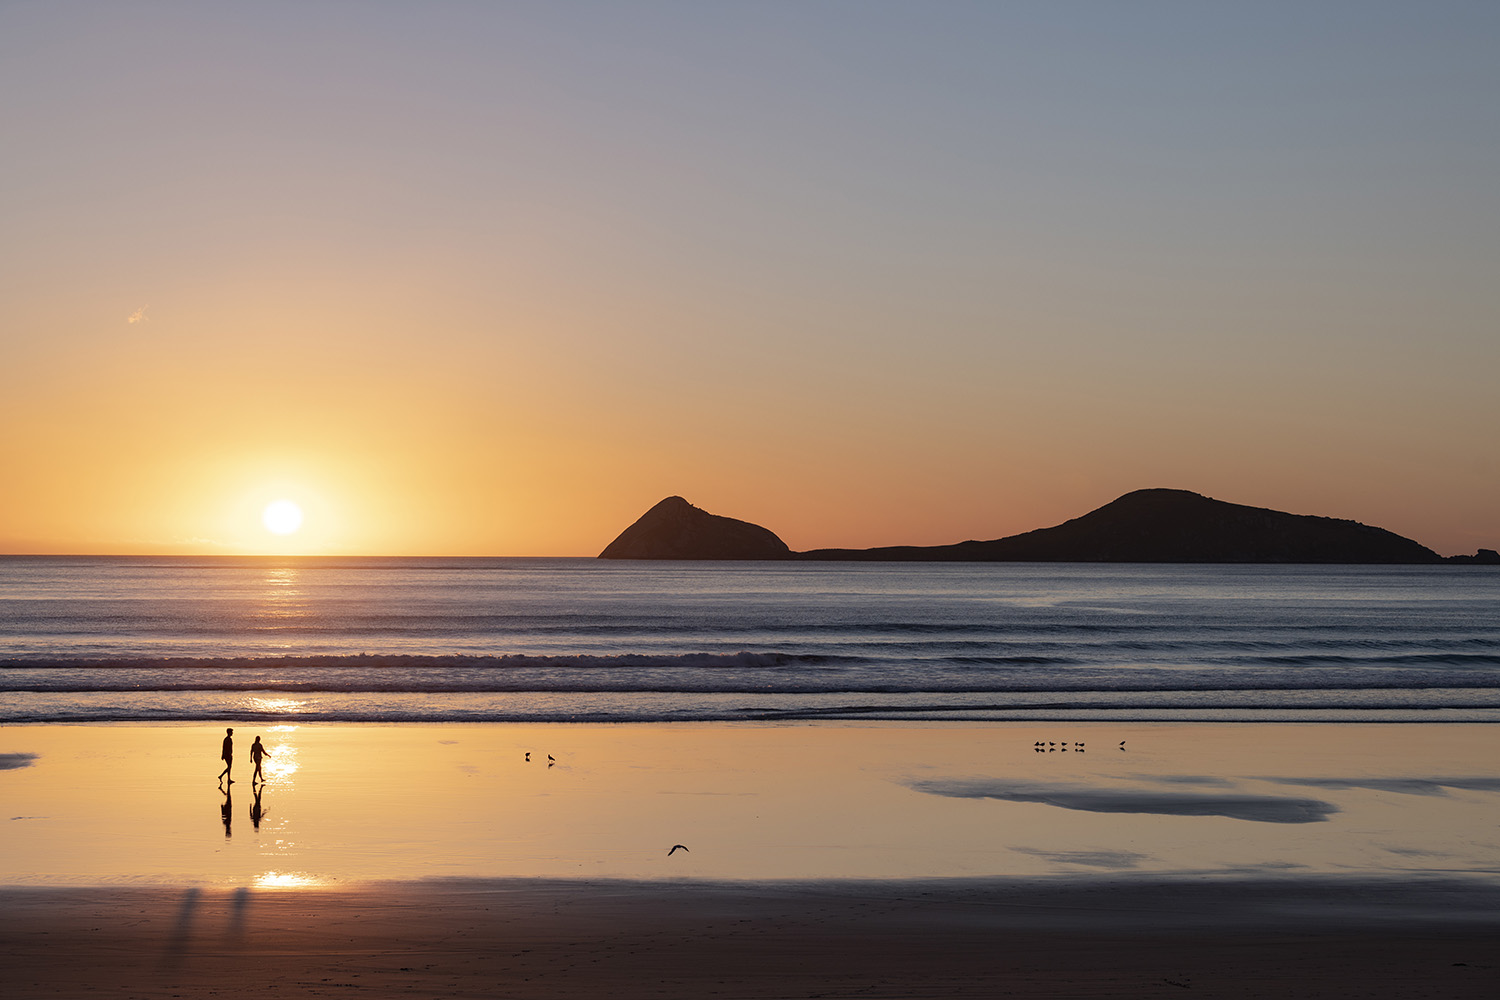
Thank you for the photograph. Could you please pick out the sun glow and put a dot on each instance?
(282, 517)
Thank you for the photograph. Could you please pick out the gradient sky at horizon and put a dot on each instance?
(492, 279)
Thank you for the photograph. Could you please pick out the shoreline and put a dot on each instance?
(976, 718)
(261, 724)
(1130, 906)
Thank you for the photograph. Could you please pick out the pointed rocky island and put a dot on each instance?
(1150, 526)
(675, 529)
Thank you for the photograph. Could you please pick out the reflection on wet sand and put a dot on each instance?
(287, 880)
(1258, 808)
(281, 758)
(761, 802)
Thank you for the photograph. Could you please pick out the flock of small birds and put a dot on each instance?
(1049, 746)
(551, 760)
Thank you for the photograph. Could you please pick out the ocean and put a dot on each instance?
(194, 639)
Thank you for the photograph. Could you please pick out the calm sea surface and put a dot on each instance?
(98, 639)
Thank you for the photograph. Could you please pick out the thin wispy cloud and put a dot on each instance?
(199, 542)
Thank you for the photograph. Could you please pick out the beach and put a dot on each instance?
(477, 939)
(750, 500)
(817, 860)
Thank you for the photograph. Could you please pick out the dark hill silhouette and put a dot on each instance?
(1173, 526)
(675, 529)
(1156, 525)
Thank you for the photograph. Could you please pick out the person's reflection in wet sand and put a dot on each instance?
(255, 810)
(226, 810)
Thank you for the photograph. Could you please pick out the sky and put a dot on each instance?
(494, 278)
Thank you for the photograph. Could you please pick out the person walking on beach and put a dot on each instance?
(227, 756)
(256, 753)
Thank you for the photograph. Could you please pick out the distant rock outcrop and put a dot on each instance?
(1173, 526)
(1148, 526)
(1484, 557)
(675, 529)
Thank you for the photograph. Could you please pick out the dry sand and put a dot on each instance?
(626, 940)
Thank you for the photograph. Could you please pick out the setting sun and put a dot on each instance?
(282, 517)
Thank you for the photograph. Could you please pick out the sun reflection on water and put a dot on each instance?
(283, 596)
(280, 580)
(272, 705)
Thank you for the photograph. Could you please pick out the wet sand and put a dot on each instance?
(874, 861)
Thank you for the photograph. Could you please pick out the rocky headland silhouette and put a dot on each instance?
(1151, 526)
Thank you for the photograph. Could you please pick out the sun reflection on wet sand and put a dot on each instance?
(286, 880)
(281, 762)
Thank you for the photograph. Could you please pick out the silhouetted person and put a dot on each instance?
(255, 810)
(256, 753)
(227, 755)
(227, 809)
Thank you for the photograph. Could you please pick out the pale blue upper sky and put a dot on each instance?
(969, 267)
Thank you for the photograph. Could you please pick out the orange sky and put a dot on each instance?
(494, 281)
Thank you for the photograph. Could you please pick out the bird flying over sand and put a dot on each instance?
(676, 848)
